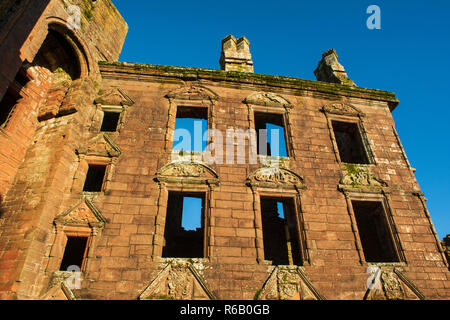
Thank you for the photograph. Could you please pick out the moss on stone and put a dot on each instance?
(253, 78)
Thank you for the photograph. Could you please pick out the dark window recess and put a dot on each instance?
(184, 229)
(192, 113)
(57, 52)
(110, 121)
(269, 122)
(349, 142)
(280, 233)
(22, 78)
(12, 95)
(376, 239)
(94, 178)
(74, 252)
(8, 103)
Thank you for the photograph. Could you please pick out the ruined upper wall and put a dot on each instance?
(102, 25)
(32, 31)
(124, 70)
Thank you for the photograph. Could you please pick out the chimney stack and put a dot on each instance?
(236, 55)
(330, 70)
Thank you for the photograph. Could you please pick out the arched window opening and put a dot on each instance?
(58, 52)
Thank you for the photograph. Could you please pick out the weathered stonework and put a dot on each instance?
(330, 70)
(53, 136)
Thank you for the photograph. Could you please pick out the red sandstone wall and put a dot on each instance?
(122, 268)
(35, 156)
(51, 171)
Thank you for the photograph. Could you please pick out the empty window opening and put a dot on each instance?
(110, 121)
(56, 52)
(349, 142)
(184, 230)
(94, 178)
(74, 253)
(22, 78)
(280, 231)
(376, 239)
(8, 103)
(12, 95)
(271, 134)
(191, 125)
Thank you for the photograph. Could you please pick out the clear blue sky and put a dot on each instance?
(408, 56)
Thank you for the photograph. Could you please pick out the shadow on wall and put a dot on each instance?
(2, 210)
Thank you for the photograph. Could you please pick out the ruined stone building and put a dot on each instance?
(89, 176)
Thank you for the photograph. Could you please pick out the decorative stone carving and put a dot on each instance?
(114, 97)
(342, 109)
(59, 290)
(268, 99)
(102, 146)
(275, 177)
(193, 92)
(194, 172)
(84, 213)
(288, 283)
(179, 280)
(360, 177)
(393, 285)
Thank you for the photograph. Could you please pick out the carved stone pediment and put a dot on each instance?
(391, 284)
(268, 99)
(275, 177)
(340, 108)
(59, 290)
(193, 172)
(288, 283)
(360, 177)
(193, 92)
(101, 146)
(84, 213)
(178, 281)
(113, 97)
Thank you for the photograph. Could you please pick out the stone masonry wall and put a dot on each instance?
(54, 135)
(37, 144)
(124, 265)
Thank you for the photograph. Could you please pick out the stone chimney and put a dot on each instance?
(236, 55)
(330, 70)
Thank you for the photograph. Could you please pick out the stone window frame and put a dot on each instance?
(284, 111)
(299, 222)
(384, 198)
(158, 237)
(348, 114)
(193, 177)
(113, 99)
(66, 226)
(195, 96)
(291, 187)
(62, 233)
(116, 109)
(83, 166)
